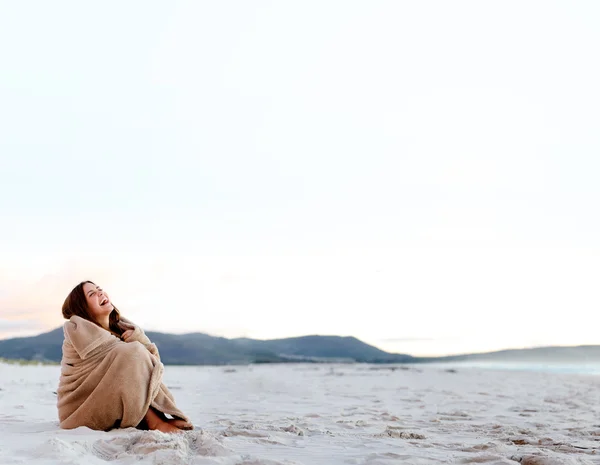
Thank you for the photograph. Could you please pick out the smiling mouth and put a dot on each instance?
(104, 302)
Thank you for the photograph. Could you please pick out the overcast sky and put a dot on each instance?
(421, 175)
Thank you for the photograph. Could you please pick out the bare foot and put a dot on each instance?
(181, 424)
(167, 427)
(156, 422)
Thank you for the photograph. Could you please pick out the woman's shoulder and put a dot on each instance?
(84, 335)
(74, 321)
(79, 325)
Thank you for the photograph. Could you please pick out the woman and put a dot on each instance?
(111, 374)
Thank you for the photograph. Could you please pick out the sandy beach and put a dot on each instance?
(324, 414)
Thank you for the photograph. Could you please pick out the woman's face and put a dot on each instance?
(98, 302)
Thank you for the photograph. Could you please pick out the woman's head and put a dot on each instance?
(89, 301)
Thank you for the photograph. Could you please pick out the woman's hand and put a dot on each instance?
(127, 335)
(132, 333)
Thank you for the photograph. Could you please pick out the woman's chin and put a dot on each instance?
(105, 310)
(108, 308)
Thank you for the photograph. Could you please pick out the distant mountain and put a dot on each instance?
(323, 348)
(45, 347)
(555, 354)
(203, 349)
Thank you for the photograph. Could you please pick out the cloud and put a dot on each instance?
(17, 328)
(36, 301)
(419, 339)
(18, 325)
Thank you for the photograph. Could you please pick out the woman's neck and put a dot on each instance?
(105, 323)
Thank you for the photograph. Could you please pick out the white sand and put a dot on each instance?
(320, 414)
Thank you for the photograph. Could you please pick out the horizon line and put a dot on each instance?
(508, 349)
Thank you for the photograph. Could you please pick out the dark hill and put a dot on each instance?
(203, 349)
(323, 348)
(44, 347)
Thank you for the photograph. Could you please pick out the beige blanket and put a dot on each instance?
(106, 382)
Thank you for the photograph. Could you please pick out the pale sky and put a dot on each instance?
(421, 175)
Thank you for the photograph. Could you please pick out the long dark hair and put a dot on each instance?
(76, 304)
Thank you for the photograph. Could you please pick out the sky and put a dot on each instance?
(420, 175)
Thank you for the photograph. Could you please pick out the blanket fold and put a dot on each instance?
(106, 382)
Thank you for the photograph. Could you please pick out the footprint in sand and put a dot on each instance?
(539, 460)
(176, 448)
(397, 432)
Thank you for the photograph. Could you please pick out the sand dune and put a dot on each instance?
(322, 414)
